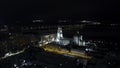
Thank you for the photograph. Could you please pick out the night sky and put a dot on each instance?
(99, 10)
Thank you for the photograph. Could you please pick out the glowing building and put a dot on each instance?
(59, 34)
(60, 39)
(78, 40)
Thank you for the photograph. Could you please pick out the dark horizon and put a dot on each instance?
(106, 11)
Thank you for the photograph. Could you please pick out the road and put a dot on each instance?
(63, 51)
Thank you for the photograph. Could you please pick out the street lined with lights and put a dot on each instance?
(62, 51)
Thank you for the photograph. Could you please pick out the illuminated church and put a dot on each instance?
(78, 40)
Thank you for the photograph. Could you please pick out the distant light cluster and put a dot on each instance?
(34, 21)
